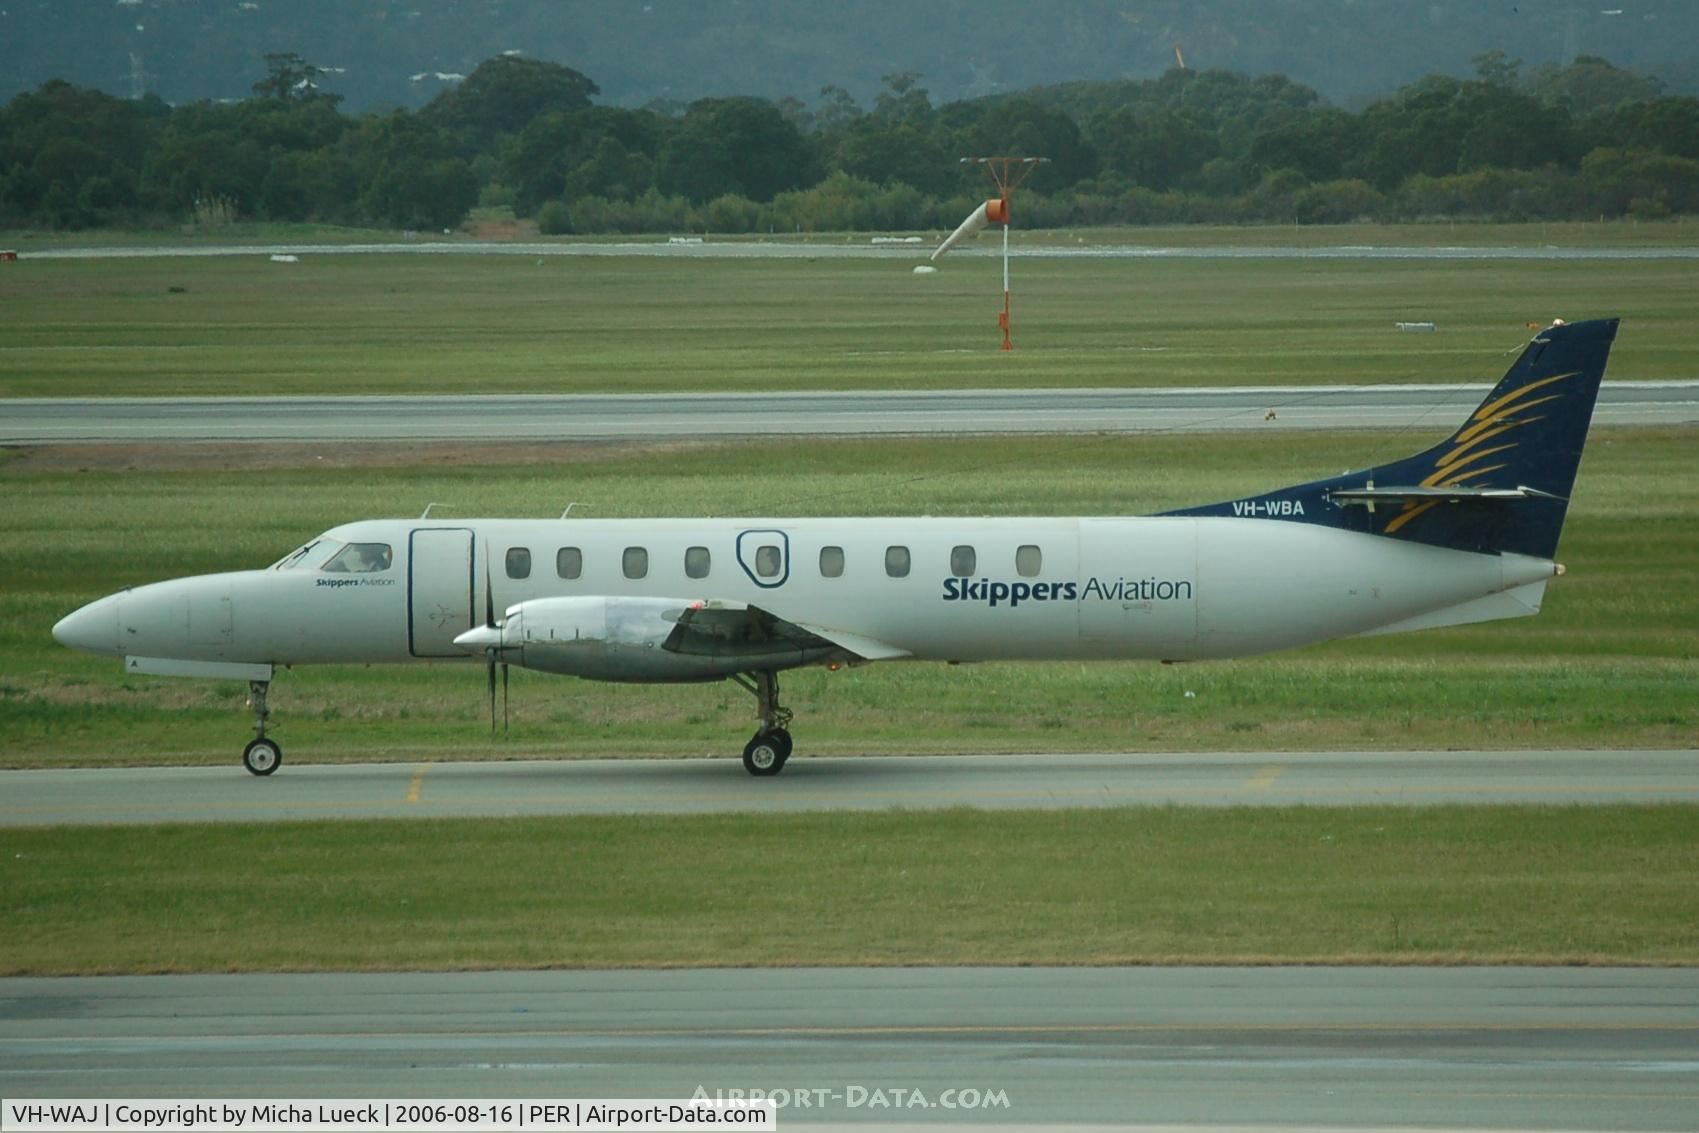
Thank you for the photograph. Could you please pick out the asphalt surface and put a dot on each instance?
(1498, 1048)
(709, 786)
(1430, 408)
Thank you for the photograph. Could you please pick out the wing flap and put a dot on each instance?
(867, 648)
(721, 627)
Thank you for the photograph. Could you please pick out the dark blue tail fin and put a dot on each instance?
(1500, 483)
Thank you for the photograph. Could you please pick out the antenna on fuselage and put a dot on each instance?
(426, 514)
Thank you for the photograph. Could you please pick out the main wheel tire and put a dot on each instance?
(262, 757)
(763, 755)
(783, 739)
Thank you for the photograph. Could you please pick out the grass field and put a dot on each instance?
(486, 324)
(1548, 885)
(1612, 662)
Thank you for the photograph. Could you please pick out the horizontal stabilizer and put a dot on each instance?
(1372, 493)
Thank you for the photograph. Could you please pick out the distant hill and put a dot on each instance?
(640, 52)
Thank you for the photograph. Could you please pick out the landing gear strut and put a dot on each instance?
(770, 747)
(261, 756)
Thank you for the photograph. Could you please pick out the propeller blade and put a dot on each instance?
(504, 699)
(493, 647)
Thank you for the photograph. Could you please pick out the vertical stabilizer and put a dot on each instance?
(1500, 483)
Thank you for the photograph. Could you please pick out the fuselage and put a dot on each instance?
(947, 589)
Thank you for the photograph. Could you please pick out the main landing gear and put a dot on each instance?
(770, 747)
(261, 756)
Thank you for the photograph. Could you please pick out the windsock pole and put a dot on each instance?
(1003, 321)
(1007, 173)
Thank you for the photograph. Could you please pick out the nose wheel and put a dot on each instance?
(261, 756)
(766, 751)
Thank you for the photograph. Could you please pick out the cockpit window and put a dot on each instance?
(300, 556)
(360, 558)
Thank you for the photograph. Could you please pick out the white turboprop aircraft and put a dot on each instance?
(1464, 532)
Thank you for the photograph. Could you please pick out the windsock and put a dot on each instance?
(994, 210)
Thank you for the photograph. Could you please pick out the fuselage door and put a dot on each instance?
(441, 591)
(765, 556)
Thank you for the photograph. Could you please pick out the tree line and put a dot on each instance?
(1585, 140)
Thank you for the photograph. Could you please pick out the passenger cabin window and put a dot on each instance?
(1029, 561)
(360, 558)
(635, 562)
(896, 562)
(697, 562)
(963, 560)
(569, 562)
(768, 561)
(519, 562)
(831, 562)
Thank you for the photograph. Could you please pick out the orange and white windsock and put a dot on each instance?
(992, 211)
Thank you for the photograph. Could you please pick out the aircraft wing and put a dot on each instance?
(717, 627)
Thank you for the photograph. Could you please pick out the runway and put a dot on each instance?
(590, 417)
(715, 786)
(1485, 1048)
(863, 247)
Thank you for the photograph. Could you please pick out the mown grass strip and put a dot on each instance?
(388, 324)
(1378, 885)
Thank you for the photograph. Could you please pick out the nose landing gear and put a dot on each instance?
(261, 756)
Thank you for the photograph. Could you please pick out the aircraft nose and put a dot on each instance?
(93, 628)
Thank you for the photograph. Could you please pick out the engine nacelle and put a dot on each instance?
(639, 622)
(609, 639)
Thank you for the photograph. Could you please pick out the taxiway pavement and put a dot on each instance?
(1501, 1048)
(709, 786)
(603, 417)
